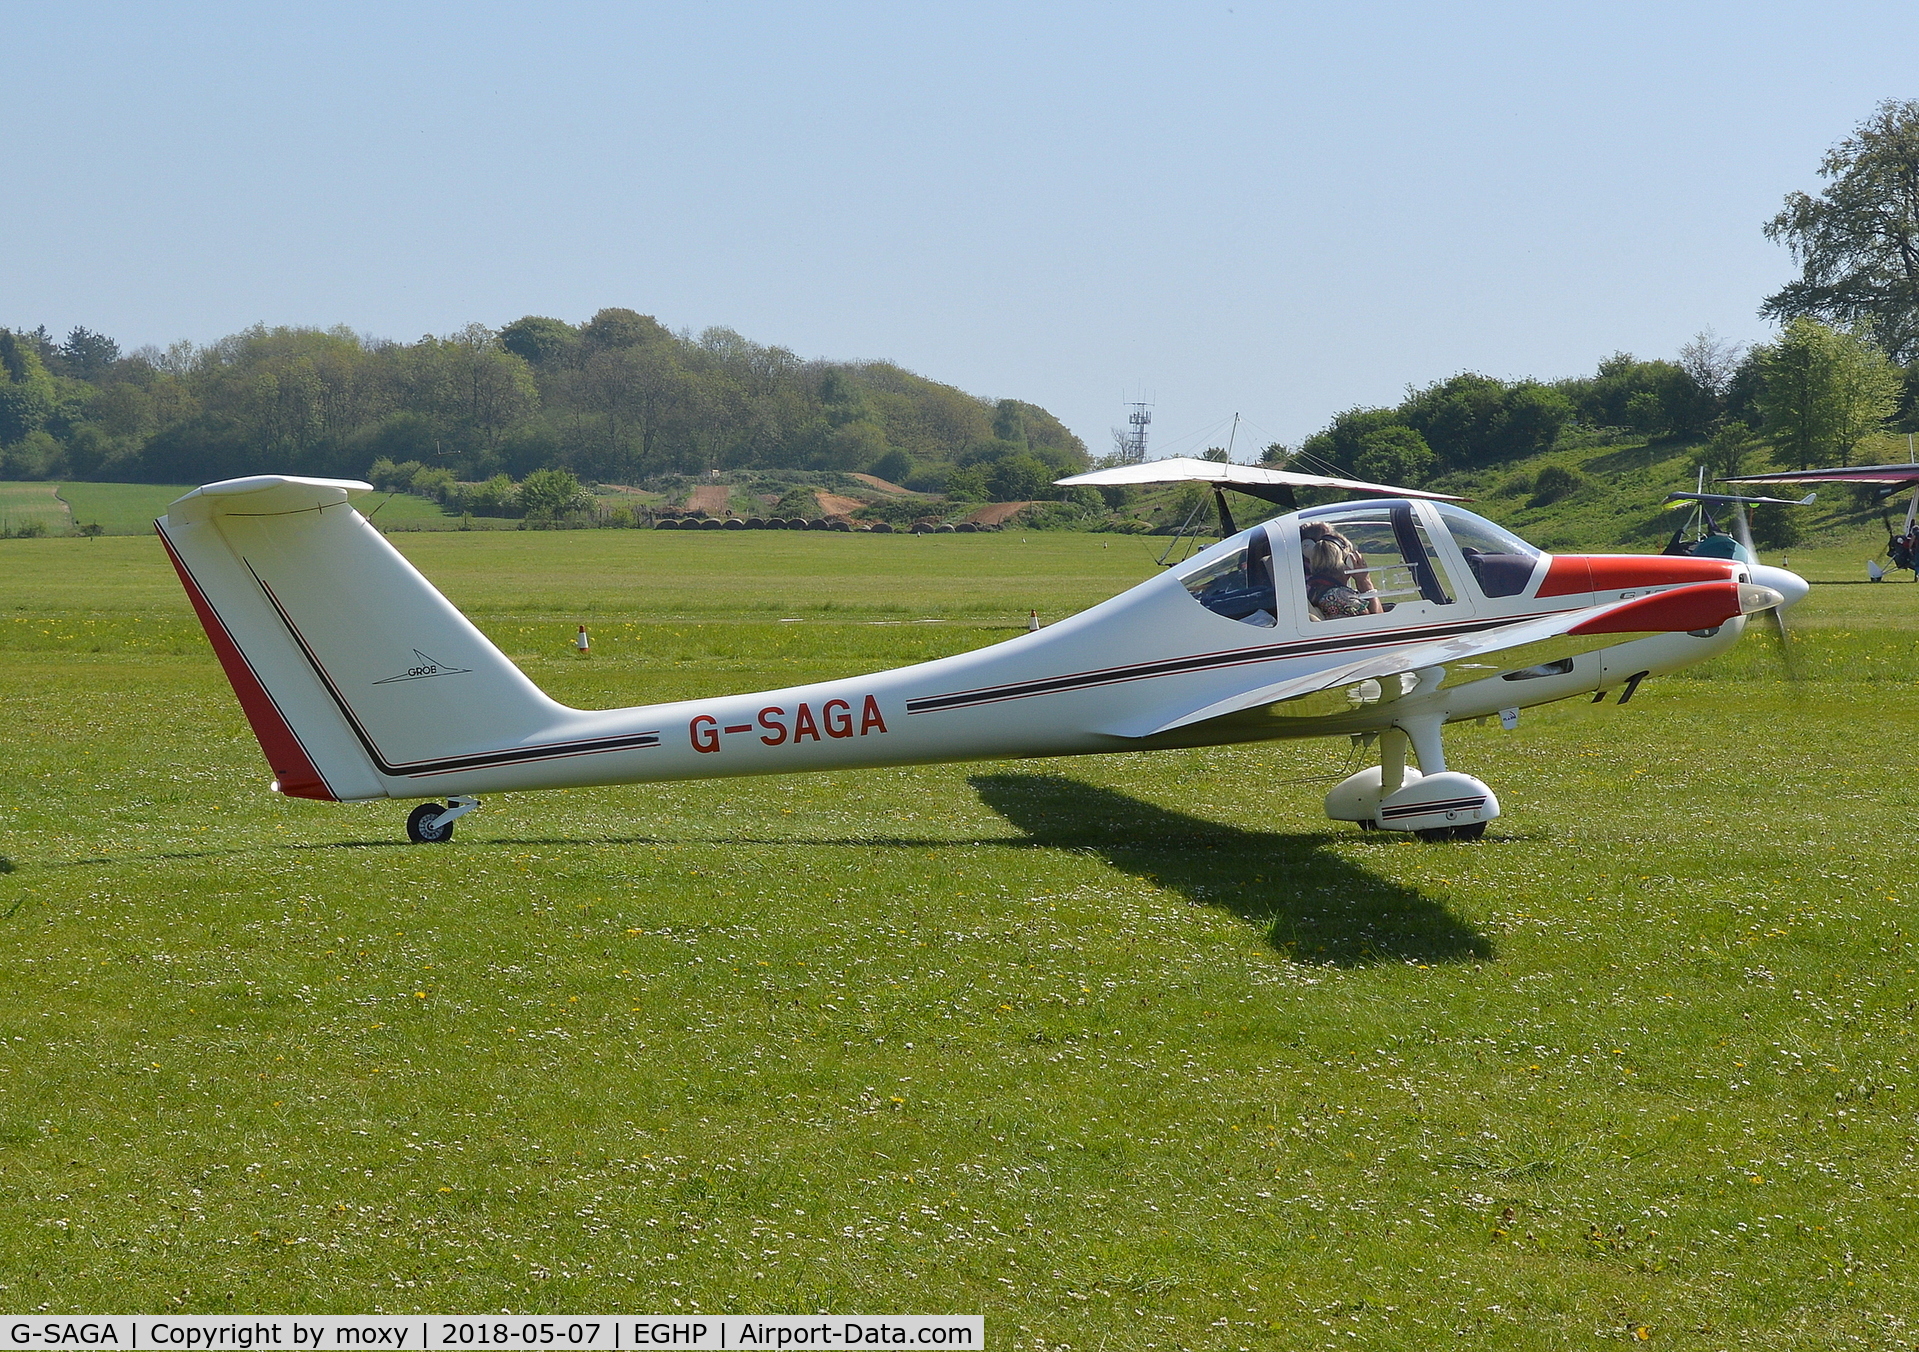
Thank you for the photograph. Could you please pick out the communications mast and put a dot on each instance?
(1132, 443)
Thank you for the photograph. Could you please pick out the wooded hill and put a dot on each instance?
(618, 399)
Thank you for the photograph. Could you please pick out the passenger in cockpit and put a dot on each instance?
(1337, 581)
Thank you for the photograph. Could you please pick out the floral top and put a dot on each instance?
(1334, 599)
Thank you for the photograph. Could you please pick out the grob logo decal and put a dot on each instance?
(424, 668)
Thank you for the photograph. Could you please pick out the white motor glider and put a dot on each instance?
(362, 681)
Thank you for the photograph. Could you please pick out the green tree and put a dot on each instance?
(616, 328)
(896, 466)
(1857, 243)
(1340, 443)
(1775, 527)
(1393, 455)
(548, 492)
(852, 445)
(1018, 478)
(968, 484)
(1824, 392)
(540, 341)
(26, 390)
(1725, 454)
(1472, 420)
(88, 355)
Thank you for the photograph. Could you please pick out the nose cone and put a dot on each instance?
(1788, 584)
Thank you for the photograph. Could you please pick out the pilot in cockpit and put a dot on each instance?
(1338, 585)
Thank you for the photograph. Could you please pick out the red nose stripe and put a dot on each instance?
(1573, 573)
(293, 770)
(1701, 606)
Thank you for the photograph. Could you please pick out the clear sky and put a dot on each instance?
(1275, 210)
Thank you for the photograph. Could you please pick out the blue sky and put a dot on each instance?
(1274, 210)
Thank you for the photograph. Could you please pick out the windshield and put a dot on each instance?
(1500, 561)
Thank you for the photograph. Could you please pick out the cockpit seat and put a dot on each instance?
(1499, 574)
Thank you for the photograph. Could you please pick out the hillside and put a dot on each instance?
(1616, 506)
(618, 398)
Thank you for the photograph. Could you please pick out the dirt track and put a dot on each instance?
(832, 504)
(997, 513)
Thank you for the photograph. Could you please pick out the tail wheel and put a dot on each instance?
(424, 827)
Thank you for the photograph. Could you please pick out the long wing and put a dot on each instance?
(1246, 478)
(1699, 606)
(1853, 474)
(1719, 498)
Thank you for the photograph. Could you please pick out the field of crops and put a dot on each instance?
(1124, 1052)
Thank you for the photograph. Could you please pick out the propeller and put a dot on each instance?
(1778, 613)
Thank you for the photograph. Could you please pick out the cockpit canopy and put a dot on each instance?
(1362, 558)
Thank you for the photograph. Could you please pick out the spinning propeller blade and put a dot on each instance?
(1778, 613)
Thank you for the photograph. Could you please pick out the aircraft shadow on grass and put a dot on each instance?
(1313, 905)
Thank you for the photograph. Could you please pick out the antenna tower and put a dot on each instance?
(1132, 449)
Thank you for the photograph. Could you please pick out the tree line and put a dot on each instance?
(618, 399)
(1815, 395)
(1844, 367)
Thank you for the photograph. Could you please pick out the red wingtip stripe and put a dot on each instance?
(293, 770)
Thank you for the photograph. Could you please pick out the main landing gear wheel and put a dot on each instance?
(1436, 835)
(424, 827)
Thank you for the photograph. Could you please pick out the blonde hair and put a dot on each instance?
(1329, 557)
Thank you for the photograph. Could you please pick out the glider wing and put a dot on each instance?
(1701, 605)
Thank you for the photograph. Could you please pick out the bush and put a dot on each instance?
(549, 492)
(800, 501)
(498, 496)
(432, 483)
(388, 477)
(931, 479)
(1052, 516)
(894, 467)
(967, 485)
(1555, 482)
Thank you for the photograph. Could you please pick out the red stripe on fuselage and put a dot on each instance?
(293, 769)
(1570, 574)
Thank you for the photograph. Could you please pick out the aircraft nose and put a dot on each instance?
(1788, 584)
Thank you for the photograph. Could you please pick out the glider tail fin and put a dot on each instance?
(359, 678)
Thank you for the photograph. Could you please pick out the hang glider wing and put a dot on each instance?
(1889, 475)
(1701, 605)
(1717, 498)
(1274, 485)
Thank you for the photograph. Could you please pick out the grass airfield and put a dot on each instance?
(1133, 1051)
